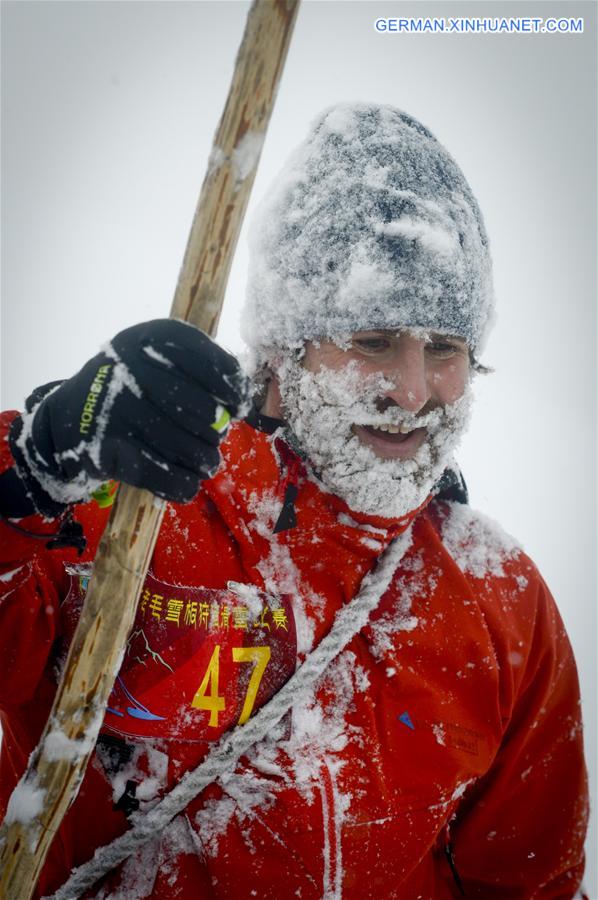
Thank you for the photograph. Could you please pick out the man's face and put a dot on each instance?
(421, 373)
(378, 415)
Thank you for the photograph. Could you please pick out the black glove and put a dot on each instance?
(149, 410)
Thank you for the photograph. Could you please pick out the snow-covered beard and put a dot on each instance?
(321, 409)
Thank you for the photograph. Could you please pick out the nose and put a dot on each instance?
(408, 372)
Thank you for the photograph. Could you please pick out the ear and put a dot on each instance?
(273, 402)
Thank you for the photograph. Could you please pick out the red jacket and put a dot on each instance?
(441, 753)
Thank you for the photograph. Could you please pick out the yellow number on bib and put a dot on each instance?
(212, 701)
(207, 696)
(260, 656)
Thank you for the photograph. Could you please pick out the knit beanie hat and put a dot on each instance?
(370, 225)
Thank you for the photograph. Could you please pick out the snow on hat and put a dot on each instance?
(371, 224)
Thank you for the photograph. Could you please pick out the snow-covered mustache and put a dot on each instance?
(356, 396)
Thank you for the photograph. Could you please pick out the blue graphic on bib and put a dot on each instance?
(406, 720)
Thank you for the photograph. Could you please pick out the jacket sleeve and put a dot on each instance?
(30, 582)
(520, 830)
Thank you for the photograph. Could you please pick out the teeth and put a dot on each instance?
(395, 429)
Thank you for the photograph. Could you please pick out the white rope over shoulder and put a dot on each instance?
(224, 755)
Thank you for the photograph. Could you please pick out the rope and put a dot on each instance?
(224, 755)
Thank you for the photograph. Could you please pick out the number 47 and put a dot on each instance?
(207, 696)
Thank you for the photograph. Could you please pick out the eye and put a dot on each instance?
(371, 345)
(444, 349)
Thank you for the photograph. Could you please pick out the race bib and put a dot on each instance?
(198, 661)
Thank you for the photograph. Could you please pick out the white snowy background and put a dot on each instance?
(108, 111)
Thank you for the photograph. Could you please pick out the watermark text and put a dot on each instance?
(479, 25)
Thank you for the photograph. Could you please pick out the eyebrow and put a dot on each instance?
(448, 337)
(391, 332)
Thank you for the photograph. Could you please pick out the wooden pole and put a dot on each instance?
(57, 766)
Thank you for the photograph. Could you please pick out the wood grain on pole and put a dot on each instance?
(127, 545)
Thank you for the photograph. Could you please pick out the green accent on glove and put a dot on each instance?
(104, 496)
(222, 419)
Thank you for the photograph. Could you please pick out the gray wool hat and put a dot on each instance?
(371, 224)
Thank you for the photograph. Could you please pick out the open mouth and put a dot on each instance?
(391, 440)
(395, 433)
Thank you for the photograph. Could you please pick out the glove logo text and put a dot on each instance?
(95, 390)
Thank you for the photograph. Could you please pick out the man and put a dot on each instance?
(440, 753)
